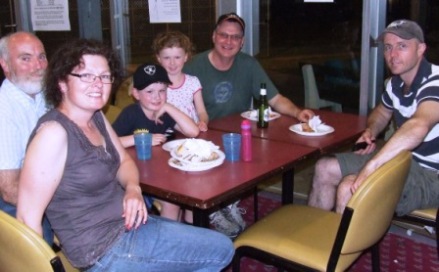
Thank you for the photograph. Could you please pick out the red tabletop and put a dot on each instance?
(225, 183)
(347, 129)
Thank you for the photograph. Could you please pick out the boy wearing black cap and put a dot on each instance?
(153, 113)
(411, 98)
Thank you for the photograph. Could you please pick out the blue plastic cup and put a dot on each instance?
(232, 146)
(143, 143)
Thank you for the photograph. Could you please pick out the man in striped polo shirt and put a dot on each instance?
(411, 98)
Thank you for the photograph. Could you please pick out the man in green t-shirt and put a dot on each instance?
(230, 79)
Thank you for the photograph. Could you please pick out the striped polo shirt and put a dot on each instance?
(425, 87)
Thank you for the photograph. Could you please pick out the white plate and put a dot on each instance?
(247, 115)
(321, 130)
(168, 146)
(195, 167)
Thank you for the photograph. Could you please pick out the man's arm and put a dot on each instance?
(411, 133)
(407, 137)
(285, 106)
(378, 120)
(9, 185)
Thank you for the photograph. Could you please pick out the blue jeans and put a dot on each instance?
(12, 211)
(165, 245)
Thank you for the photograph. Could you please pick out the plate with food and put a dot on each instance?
(195, 155)
(168, 146)
(306, 130)
(194, 167)
(253, 115)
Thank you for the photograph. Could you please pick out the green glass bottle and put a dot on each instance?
(263, 108)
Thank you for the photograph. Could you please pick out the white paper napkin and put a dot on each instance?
(255, 114)
(315, 122)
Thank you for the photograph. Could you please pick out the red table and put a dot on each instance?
(208, 190)
(348, 128)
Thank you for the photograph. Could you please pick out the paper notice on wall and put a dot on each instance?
(50, 15)
(164, 11)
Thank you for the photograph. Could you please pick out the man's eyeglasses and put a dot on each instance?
(225, 36)
(90, 78)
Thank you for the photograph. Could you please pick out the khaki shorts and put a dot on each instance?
(421, 189)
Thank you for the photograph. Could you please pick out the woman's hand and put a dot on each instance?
(134, 207)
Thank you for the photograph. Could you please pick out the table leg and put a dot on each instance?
(288, 186)
(255, 203)
(201, 218)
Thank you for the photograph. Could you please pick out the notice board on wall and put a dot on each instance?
(164, 11)
(50, 15)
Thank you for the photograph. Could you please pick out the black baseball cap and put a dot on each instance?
(147, 74)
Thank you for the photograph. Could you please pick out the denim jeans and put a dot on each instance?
(12, 211)
(165, 245)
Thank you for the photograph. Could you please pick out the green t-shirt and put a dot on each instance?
(229, 92)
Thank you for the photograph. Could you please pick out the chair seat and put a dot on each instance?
(426, 213)
(307, 238)
(301, 234)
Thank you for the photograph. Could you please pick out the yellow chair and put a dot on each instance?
(309, 239)
(25, 250)
(123, 97)
(426, 217)
(111, 112)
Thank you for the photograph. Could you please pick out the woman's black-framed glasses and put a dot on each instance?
(90, 78)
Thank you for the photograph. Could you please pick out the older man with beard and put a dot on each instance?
(23, 60)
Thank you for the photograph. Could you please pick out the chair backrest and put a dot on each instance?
(123, 96)
(23, 249)
(111, 112)
(374, 204)
(312, 97)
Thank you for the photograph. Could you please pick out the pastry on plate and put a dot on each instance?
(196, 150)
(306, 128)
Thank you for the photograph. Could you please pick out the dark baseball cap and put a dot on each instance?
(404, 29)
(231, 17)
(147, 74)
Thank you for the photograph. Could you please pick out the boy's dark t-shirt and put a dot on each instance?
(132, 118)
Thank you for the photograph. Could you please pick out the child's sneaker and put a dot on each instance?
(221, 224)
(233, 213)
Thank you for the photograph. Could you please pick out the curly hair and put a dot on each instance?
(173, 39)
(67, 57)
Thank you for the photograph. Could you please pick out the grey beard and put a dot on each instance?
(30, 88)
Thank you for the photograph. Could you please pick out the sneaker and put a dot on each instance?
(221, 224)
(233, 213)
